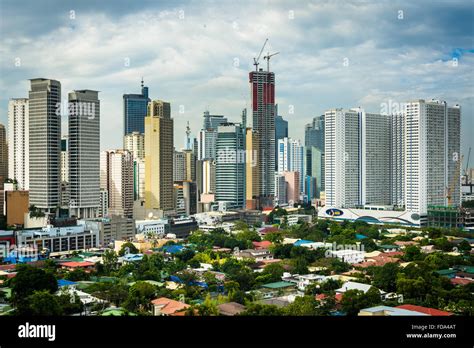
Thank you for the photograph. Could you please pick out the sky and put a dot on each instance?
(197, 55)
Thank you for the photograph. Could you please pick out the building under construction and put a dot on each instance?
(450, 217)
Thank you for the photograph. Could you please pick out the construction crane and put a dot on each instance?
(267, 57)
(452, 186)
(255, 60)
(466, 174)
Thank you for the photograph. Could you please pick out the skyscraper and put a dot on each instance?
(116, 178)
(135, 111)
(432, 169)
(45, 143)
(211, 122)
(3, 164)
(363, 158)
(18, 142)
(252, 169)
(230, 166)
(84, 153)
(281, 131)
(179, 166)
(65, 172)
(314, 137)
(291, 157)
(159, 157)
(262, 86)
(135, 143)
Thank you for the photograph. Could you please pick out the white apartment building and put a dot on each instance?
(432, 170)
(18, 142)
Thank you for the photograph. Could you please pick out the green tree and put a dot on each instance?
(354, 300)
(128, 247)
(385, 277)
(139, 296)
(28, 280)
(412, 253)
(303, 306)
(110, 261)
(43, 303)
(208, 307)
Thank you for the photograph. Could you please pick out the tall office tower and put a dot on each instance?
(65, 196)
(65, 158)
(159, 157)
(19, 142)
(314, 133)
(189, 165)
(397, 161)
(207, 177)
(135, 143)
(179, 166)
(252, 169)
(314, 136)
(281, 131)
(432, 145)
(314, 166)
(116, 178)
(280, 189)
(84, 153)
(135, 111)
(211, 122)
(262, 86)
(244, 118)
(230, 166)
(291, 157)
(3, 164)
(342, 160)
(292, 180)
(45, 143)
(103, 203)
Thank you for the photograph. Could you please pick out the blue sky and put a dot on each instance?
(197, 54)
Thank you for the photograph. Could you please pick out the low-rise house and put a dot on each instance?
(71, 266)
(264, 244)
(256, 255)
(425, 310)
(230, 308)
(347, 255)
(356, 286)
(304, 280)
(387, 311)
(389, 247)
(167, 306)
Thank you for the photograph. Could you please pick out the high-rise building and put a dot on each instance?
(364, 158)
(230, 166)
(189, 165)
(315, 168)
(84, 153)
(135, 111)
(291, 157)
(314, 137)
(252, 169)
(135, 143)
(65, 172)
(292, 180)
(432, 150)
(3, 164)
(45, 143)
(159, 157)
(314, 133)
(116, 178)
(397, 161)
(342, 158)
(18, 142)
(262, 86)
(280, 189)
(179, 166)
(281, 131)
(211, 122)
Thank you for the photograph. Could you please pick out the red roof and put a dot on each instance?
(460, 281)
(262, 245)
(269, 230)
(169, 306)
(425, 310)
(7, 267)
(320, 297)
(73, 264)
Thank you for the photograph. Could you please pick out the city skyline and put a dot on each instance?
(211, 63)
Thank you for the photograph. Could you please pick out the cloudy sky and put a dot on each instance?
(197, 55)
